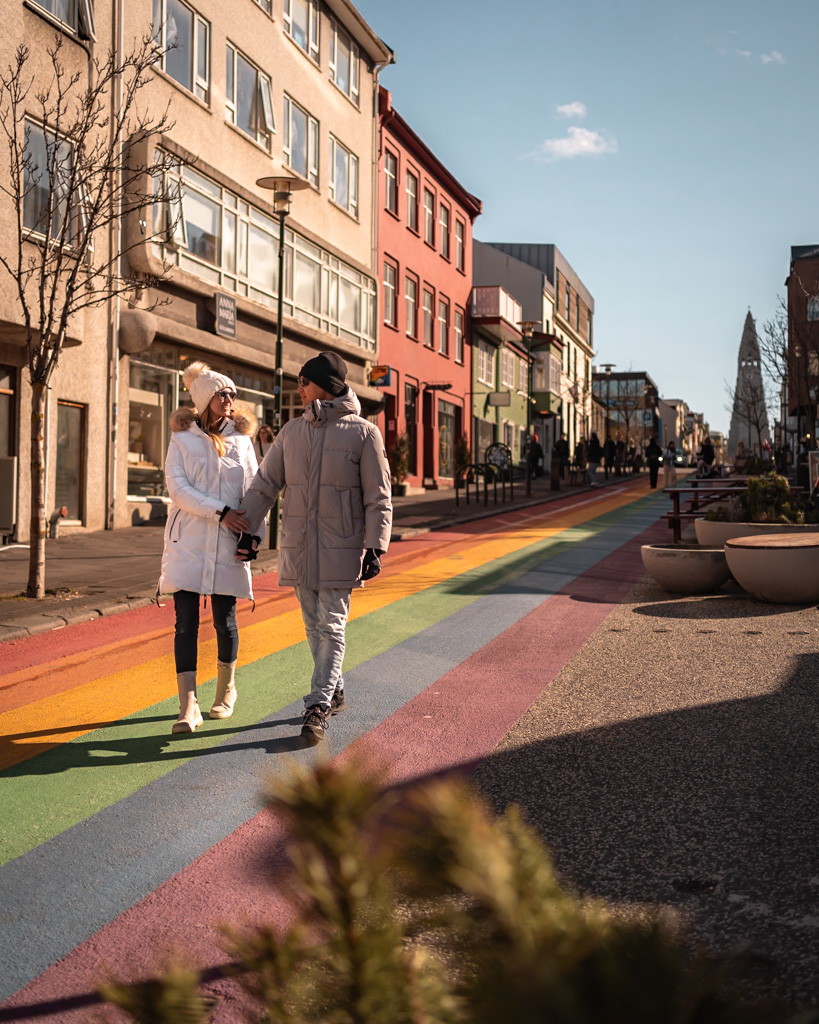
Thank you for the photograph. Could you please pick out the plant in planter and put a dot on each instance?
(767, 500)
(399, 463)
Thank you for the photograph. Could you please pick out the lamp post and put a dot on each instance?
(528, 329)
(282, 186)
(608, 367)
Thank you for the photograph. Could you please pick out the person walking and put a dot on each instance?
(562, 452)
(670, 464)
(608, 456)
(331, 465)
(653, 455)
(595, 456)
(535, 457)
(209, 466)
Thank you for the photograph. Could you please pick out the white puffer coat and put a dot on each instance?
(332, 467)
(200, 553)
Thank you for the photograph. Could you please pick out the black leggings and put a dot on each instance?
(185, 641)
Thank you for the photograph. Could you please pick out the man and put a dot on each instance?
(331, 465)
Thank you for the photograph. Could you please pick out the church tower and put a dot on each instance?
(749, 417)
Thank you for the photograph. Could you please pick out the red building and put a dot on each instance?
(425, 219)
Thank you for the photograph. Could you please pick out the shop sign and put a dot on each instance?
(380, 376)
(225, 315)
(499, 398)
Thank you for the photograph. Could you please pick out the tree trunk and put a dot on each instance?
(37, 527)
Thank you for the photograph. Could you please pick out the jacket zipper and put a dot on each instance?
(173, 523)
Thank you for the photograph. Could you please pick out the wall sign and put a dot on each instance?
(225, 315)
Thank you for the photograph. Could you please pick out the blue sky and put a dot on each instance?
(684, 164)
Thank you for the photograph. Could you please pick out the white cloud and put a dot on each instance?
(576, 109)
(743, 53)
(576, 142)
(774, 57)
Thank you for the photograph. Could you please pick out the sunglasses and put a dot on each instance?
(226, 393)
(303, 382)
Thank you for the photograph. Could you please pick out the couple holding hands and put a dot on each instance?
(332, 469)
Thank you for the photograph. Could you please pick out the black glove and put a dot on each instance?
(371, 566)
(248, 547)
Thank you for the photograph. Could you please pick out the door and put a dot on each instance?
(70, 488)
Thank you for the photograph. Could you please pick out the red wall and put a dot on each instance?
(411, 360)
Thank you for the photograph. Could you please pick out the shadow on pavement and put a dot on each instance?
(734, 605)
(712, 810)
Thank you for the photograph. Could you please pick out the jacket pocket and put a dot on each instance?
(346, 513)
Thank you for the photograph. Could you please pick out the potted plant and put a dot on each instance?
(768, 506)
(399, 464)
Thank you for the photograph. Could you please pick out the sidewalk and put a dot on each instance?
(109, 571)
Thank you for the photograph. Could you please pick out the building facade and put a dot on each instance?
(288, 87)
(631, 407)
(425, 219)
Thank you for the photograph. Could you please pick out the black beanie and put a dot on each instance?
(328, 370)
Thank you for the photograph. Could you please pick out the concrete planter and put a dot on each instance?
(779, 568)
(715, 534)
(686, 569)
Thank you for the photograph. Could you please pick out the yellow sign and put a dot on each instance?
(380, 376)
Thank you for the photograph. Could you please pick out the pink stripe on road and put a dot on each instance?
(453, 724)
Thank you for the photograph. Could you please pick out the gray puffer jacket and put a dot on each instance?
(331, 465)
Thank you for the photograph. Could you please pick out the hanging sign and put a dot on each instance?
(380, 376)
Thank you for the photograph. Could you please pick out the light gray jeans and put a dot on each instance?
(325, 614)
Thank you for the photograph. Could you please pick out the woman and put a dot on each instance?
(670, 464)
(595, 456)
(264, 442)
(209, 467)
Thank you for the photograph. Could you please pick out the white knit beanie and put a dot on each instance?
(203, 383)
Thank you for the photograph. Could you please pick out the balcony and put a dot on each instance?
(496, 313)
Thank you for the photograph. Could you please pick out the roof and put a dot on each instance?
(351, 19)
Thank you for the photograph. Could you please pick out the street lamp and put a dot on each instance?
(528, 329)
(608, 367)
(282, 186)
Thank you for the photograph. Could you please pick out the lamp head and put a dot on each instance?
(282, 186)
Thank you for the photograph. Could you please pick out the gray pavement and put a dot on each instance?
(89, 575)
(673, 764)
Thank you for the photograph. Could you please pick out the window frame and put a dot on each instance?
(391, 190)
(443, 326)
(200, 87)
(458, 331)
(263, 100)
(85, 27)
(411, 325)
(76, 215)
(354, 94)
(486, 359)
(390, 293)
(413, 201)
(352, 178)
(445, 227)
(429, 217)
(460, 245)
(313, 49)
(311, 139)
(428, 317)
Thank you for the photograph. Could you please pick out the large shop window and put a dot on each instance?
(7, 378)
(446, 439)
(71, 459)
(224, 240)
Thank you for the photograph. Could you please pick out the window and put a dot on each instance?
(443, 327)
(460, 253)
(47, 160)
(248, 98)
(486, 363)
(77, 14)
(390, 304)
(343, 177)
(509, 436)
(301, 23)
(446, 439)
(209, 231)
(391, 175)
(444, 224)
(412, 201)
(568, 301)
(344, 63)
(458, 326)
(577, 312)
(70, 482)
(301, 141)
(429, 217)
(813, 307)
(184, 39)
(411, 297)
(7, 382)
(429, 316)
(508, 368)
(266, 5)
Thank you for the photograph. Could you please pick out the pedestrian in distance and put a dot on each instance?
(562, 452)
(608, 456)
(331, 466)
(535, 457)
(653, 455)
(595, 457)
(210, 465)
(264, 441)
(669, 464)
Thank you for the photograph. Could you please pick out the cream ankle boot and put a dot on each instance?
(225, 690)
(189, 714)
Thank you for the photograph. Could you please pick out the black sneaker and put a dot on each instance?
(315, 722)
(338, 703)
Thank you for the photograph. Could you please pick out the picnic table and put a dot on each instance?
(701, 493)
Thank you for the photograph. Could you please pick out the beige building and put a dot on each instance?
(278, 86)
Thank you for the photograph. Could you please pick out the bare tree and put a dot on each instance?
(68, 182)
(789, 359)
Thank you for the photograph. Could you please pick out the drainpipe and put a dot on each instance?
(114, 242)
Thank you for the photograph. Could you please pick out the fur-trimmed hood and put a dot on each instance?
(243, 419)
